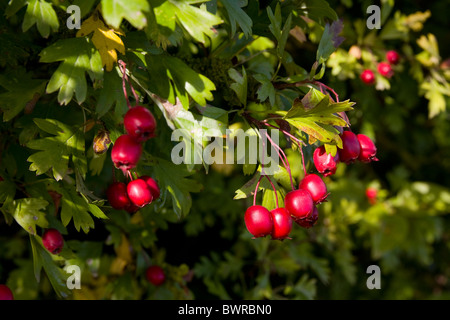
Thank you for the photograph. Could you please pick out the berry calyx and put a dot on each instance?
(258, 221)
(282, 224)
(298, 203)
(117, 195)
(324, 162)
(368, 77)
(350, 147)
(385, 69)
(5, 293)
(153, 185)
(139, 193)
(393, 57)
(155, 275)
(310, 220)
(368, 149)
(140, 123)
(53, 241)
(315, 186)
(126, 152)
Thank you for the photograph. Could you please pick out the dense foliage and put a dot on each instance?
(289, 66)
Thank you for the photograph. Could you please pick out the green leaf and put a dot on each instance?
(55, 151)
(173, 180)
(22, 90)
(240, 84)
(238, 17)
(317, 10)
(75, 207)
(114, 11)
(42, 14)
(169, 75)
(27, 213)
(43, 259)
(79, 56)
(111, 94)
(266, 90)
(330, 40)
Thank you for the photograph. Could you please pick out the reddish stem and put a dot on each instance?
(256, 190)
(282, 156)
(274, 190)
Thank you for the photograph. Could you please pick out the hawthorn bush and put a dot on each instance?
(92, 114)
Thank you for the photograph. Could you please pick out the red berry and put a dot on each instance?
(368, 77)
(385, 69)
(5, 293)
(324, 162)
(140, 123)
(371, 194)
(298, 203)
(368, 149)
(350, 147)
(155, 275)
(153, 185)
(117, 195)
(258, 221)
(315, 186)
(132, 208)
(126, 152)
(393, 57)
(139, 193)
(282, 223)
(53, 241)
(310, 220)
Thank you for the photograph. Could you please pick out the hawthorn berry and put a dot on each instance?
(368, 77)
(324, 162)
(139, 193)
(153, 185)
(5, 293)
(282, 223)
(117, 196)
(126, 152)
(53, 241)
(315, 186)
(140, 123)
(298, 203)
(385, 69)
(368, 150)
(155, 275)
(258, 221)
(310, 220)
(371, 195)
(350, 147)
(393, 57)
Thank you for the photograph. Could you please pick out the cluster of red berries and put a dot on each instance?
(300, 205)
(384, 68)
(140, 125)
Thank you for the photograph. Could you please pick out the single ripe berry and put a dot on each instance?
(385, 69)
(393, 57)
(324, 162)
(258, 221)
(117, 195)
(139, 193)
(155, 275)
(53, 241)
(368, 77)
(153, 185)
(315, 186)
(282, 223)
(310, 220)
(298, 203)
(140, 123)
(350, 147)
(5, 293)
(371, 194)
(368, 149)
(126, 152)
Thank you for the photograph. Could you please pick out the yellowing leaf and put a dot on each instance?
(104, 39)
